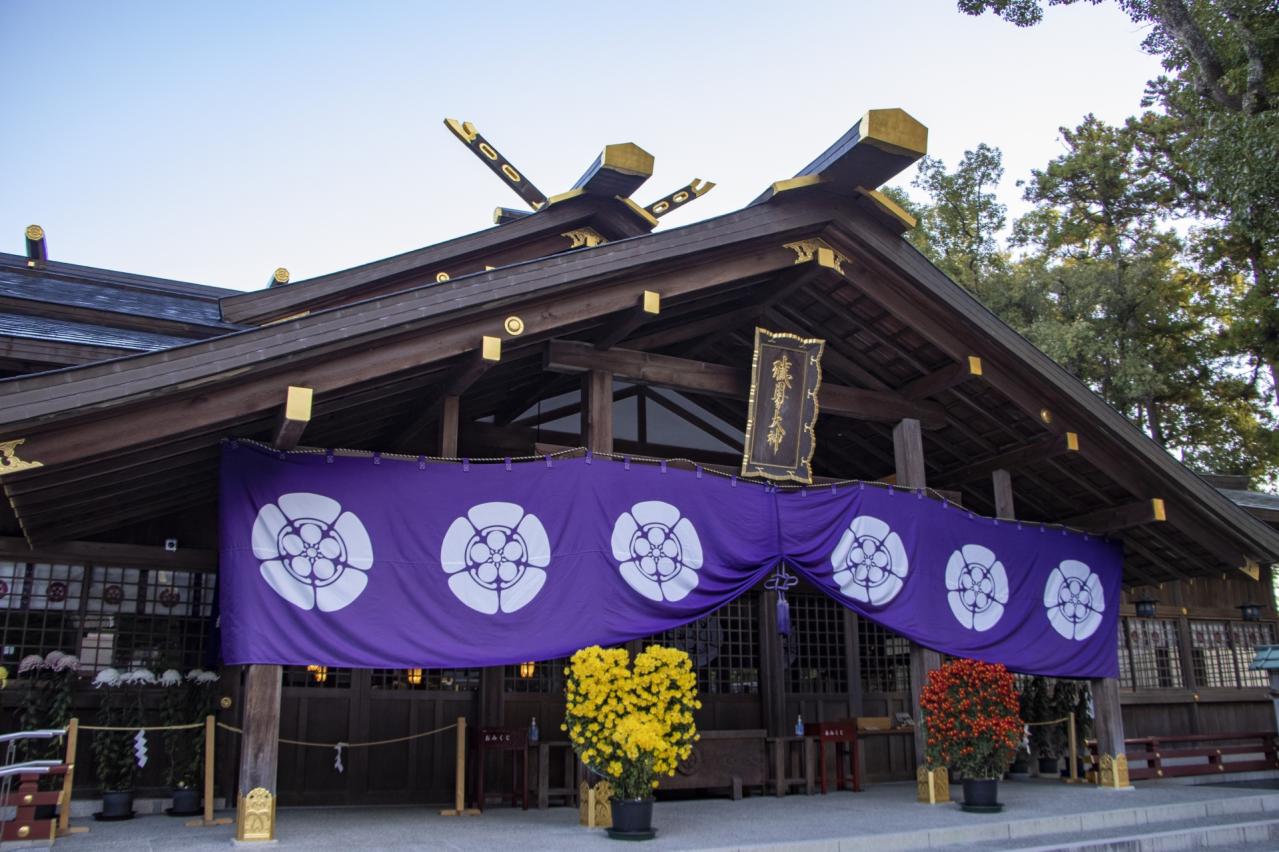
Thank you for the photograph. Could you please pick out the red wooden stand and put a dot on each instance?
(502, 740)
(842, 736)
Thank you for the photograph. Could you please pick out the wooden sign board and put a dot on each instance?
(786, 373)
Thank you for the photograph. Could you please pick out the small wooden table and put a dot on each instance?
(544, 788)
(793, 759)
(502, 740)
(842, 736)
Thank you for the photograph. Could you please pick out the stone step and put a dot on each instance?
(1101, 826)
(1220, 833)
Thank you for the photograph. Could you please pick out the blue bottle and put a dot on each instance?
(532, 732)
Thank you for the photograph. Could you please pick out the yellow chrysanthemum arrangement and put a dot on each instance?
(631, 724)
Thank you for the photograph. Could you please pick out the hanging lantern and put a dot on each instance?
(526, 670)
(1145, 607)
(319, 674)
(415, 677)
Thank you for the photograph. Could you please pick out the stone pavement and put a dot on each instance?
(1038, 814)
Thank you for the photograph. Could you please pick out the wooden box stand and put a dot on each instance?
(934, 785)
(595, 810)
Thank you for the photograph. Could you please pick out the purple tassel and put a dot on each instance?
(783, 615)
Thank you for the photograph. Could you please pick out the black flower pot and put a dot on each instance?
(981, 795)
(117, 805)
(1048, 767)
(186, 802)
(632, 819)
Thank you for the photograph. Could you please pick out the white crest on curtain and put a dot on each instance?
(869, 561)
(977, 587)
(657, 550)
(1074, 599)
(314, 555)
(496, 555)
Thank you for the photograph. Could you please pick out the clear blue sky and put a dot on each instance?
(212, 142)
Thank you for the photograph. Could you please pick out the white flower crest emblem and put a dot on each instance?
(869, 561)
(1074, 599)
(657, 550)
(496, 555)
(314, 554)
(977, 587)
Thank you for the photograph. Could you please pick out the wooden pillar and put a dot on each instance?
(1185, 655)
(908, 454)
(772, 667)
(1108, 725)
(1003, 482)
(259, 751)
(597, 411)
(450, 407)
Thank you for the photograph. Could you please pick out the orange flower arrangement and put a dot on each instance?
(971, 721)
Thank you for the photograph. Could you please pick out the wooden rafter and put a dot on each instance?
(718, 379)
(1013, 459)
(1111, 519)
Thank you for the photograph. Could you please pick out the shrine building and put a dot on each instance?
(578, 321)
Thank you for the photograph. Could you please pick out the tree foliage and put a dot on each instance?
(1149, 265)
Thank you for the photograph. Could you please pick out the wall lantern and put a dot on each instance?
(319, 674)
(526, 670)
(415, 677)
(1251, 611)
(1145, 607)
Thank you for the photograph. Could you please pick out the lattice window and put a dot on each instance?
(724, 647)
(1213, 653)
(1247, 637)
(316, 677)
(426, 680)
(107, 616)
(1152, 655)
(816, 659)
(545, 677)
(885, 658)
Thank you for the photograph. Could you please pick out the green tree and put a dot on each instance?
(1216, 141)
(964, 217)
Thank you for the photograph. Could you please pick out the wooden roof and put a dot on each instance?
(137, 437)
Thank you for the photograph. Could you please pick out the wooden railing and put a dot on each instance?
(1196, 754)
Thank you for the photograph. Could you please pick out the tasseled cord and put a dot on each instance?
(780, 582)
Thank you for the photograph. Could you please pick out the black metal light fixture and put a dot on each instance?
(1145, 607)
(1250, 611)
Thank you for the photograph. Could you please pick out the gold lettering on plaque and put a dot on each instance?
(781, 384)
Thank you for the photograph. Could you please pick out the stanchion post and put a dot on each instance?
(209, 731)
(1074, 753)
(68, 780)
(459, 790)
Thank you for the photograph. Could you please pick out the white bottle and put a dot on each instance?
(799, 725)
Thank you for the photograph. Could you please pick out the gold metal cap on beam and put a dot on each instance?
(652, 302)
(1157, 510)
(974, 365)
(279, 278)
(35, 232)
(887, 205)
(894, 130)
(297, 403)
(491, 348)
(627, 157)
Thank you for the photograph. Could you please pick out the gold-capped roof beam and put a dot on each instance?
(506, 215)
(696, 189)
(37, 246)
(880, 146)
(618, 171)
(498, 164)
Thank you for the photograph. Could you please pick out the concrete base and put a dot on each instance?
(885, 818)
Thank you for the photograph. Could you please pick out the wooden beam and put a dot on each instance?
(597, 410)
(908, 454)
(472, 367)
(649, 307)
(499, 165)
(1108, 724)
(260, 742)
(1115, 518)
(943, 379)
(182, 559)
(720, 380)
(619, 170)
(1002, 481)
(293, 417)
(693, 420)
(1038, 450)
(450, 409)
